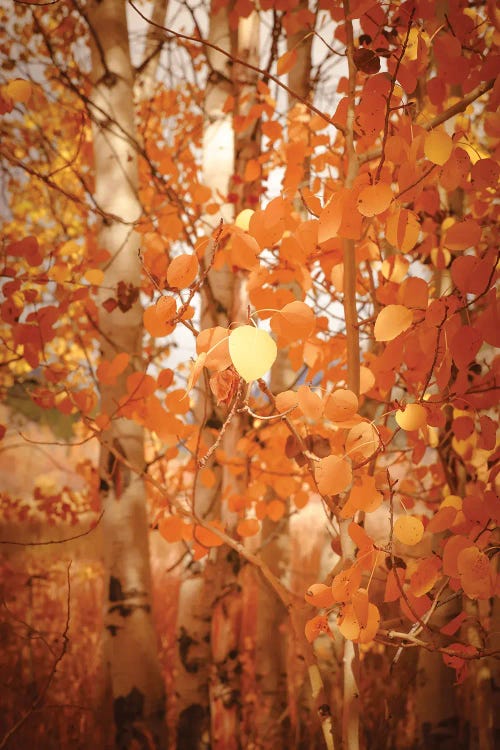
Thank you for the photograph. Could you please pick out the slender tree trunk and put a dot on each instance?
(131, 646)
(272, 652)
(200, 587)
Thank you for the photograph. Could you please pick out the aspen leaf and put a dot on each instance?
(368, 631)
(171, 528)
(402, 229)
(341, 405)
(182, 271)
(408, 530)
(391, 321)
(248, 527)
(366, 60)
(395, 268)
(392, 590)
(475, 573)
(206, 537)
(462, 235)
(425, 576)
(316, 626)
(348, 623)
(155, 323)
(362, 441)
(19, 90)
(360, 538)
(412, 417)
(276, 508)
(366, 380)
(309, 403)
(242, 221)
(333, 475)
(94, 276)
(360, 604)
(107, 372)
(454, 545)
(214, 342)
(438, 147)
(330, 218)
(319, 595)
(252, 352)
(294, 321)
(286, 400)
(196, 371)
(364, 494)
(346, 583)
(286, 62)
(166, 308)
(375, 199)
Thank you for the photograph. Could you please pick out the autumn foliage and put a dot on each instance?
(367, 246)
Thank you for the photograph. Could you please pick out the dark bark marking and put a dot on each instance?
(193, 728)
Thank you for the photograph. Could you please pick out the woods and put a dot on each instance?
(249, 379)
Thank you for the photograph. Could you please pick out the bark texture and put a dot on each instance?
(131, 645)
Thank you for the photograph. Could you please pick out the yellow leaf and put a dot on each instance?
(19, 90)
(412, 417)
(94, 276)
(242, 221)
(252, 352)
(408, 530)
(438, 147)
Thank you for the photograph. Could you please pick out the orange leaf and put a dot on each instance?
(360, 537)
(364, 494)
(330, 218)
(206, 537)
(276, 510)
(171, 528)
(368, 632)
(286, 400)
(248, 527)
(348, 623)
(156, 324)
(392, 590)
(182, 271)
(309, 403)
(341, 405)
(375, 199)
(107, 372)
(362, 441)
(319, 595)
(333, 475)
(214, 342)
(346, 583)
(317, 626)
(454, 545)
(402, 229)
(425, 576)
(475, 572)
(462, 235)
(286, 62)
(438, 146)
(391, 321)
(293, 322)
(360, 604)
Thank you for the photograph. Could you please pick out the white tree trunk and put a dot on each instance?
(131, 645)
